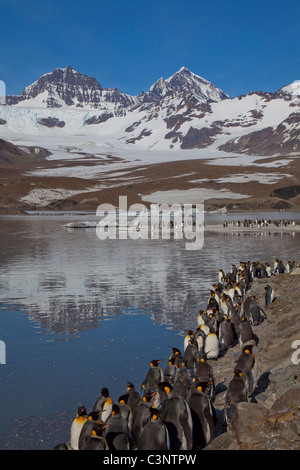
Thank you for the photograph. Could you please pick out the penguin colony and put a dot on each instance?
(258, 223)
(174, 408)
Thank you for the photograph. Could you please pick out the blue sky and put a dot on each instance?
(238, 45)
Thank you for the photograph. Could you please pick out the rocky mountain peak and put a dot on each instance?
(183, 84)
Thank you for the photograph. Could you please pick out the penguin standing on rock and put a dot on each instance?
(244, 331)
(202, 416)
(155, 435)
(204, 373)
(248, 366)
(76, 427)
(177, 418)
(269, 295)
(226, 334)
(235, 393)
(254, 313)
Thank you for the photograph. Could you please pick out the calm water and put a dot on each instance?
(78, 313)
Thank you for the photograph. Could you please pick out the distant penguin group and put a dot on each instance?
(174, 407)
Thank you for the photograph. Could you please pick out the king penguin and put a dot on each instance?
(191, 353)
(226, 334)
(200, 336)
(188, 336)
(104, 403)
(126, 413)
(269, 295)
(248, 366)
(177, 354)
(171, 370)
(142, 416)
(183, 380)
(116, 433)
(212, 348)
(204, 373)
(244, 331)
(97, 440)
(155, 435)
(177, 418)
(254, 313)
(92, 421)
(202, 416)
(133, 397)
(76, 427)
(235, 393)
(153, 377)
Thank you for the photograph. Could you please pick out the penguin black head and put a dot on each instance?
(81, 411)
(175, 350)
(115, 409)
(105, 392)
(155, 414)
(165, 387)
(130, 386)
(202, 386)
(189, 332)
(155, 362)
(203, 357)
(172, 360)
(147, 397)
(248, 349)
(123, 399)
(238, 373)
(98, 430)
(94, 415)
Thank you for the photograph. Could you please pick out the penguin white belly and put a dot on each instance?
(212, 346)
(186, 342)
(231, 293)
(200, 342)
(76, 429)
(106, 410)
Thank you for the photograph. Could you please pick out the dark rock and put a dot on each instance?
(51, 122)
(199, 138)
(248, 424)
(287, 192)
(99, 119)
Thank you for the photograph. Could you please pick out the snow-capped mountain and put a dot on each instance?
(69, 88)
(182, 112)
(183, 82)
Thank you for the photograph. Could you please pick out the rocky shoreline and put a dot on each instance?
(270, 420)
